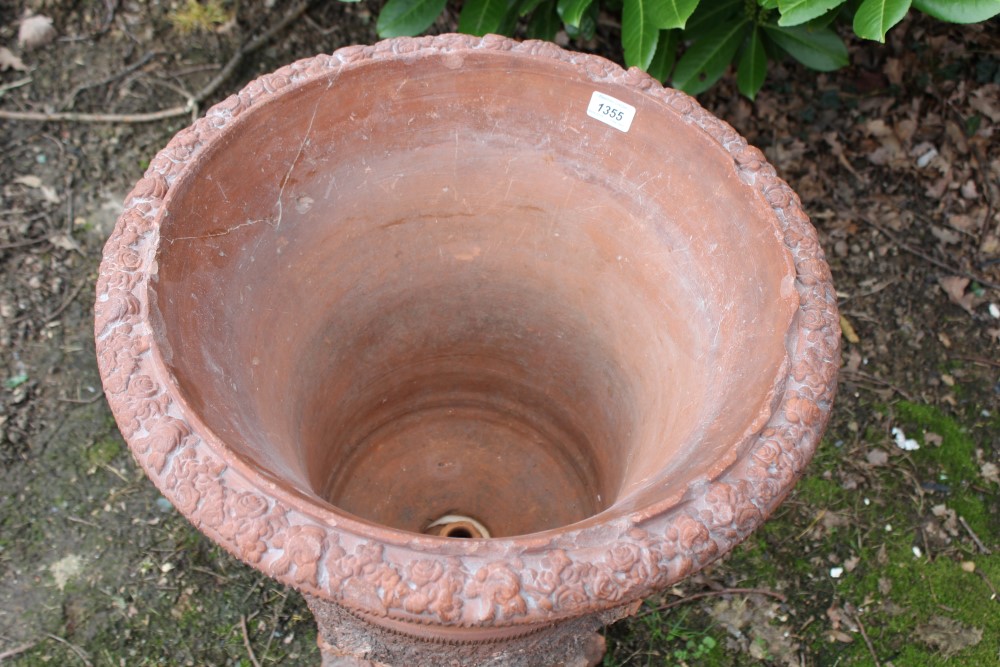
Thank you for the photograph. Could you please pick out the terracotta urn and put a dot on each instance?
(476, 343)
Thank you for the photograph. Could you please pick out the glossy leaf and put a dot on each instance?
(479, 17)
(706, 60)
(797, 12)
(710, 15)
(753, 66)
(528, 6)
(405, 18)
(821, 50)
(959, 11)
(545, 22)
(509, 22)
(875, 17)
(665, 56)
(675, 13)
(825, 20)
(768, 4)
(641, 23)
(571, 11)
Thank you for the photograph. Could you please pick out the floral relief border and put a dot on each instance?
(501, 584)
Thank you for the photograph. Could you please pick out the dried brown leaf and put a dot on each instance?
(965, 223)
(990, 472)
(64, 241)
(946, 236)
(986, 100)
(954, 287)
(35, 31)
(848, 330)
(948, 636)
(30, 181)
(877, 457)
(9, 61)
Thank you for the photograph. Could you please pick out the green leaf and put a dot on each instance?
(768, 4)
(479, 17)
(666, 53)
(545, 22)
(528, 6)
(509, 21)
(706, 60)
(825, 20)
(675, 13)
(959, 11)
(588, 24)
(710, 15)
(797, 12)
(875, 17)
(405, 18)
(753, 66)
(821, 50)
(571, 11)
(16, 381)
(640, 32)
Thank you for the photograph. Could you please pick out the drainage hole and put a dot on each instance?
(457, 526)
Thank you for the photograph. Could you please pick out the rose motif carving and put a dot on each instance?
(168, 434)
(801, 410)
(142, 386)
(303, 547)
(609, 586)
(192, 477)
(117, 306)
(152, 186)
(423, 572)
(250, 522)
(500, 590)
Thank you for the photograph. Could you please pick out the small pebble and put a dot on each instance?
(836, 572)
(968, 566)
(163, 504)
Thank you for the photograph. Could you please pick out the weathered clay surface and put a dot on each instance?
(233, 422)
(347, 640)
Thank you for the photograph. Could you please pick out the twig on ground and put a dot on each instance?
(868, 642)
(975, 538)
(192, 104)
(989, 583)
(246, 641)
(902, 245)
(21, 244)
(11, 86)
(274, 626)
(17, 650)
(82, 401)
(705, 594)
(71, 97)
(865, 377)
(80, 653)
(980, 360)
(65, 304)
(76, 519)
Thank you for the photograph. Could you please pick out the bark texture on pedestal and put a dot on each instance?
(418, 280)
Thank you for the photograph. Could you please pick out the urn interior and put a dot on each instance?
(435, 287)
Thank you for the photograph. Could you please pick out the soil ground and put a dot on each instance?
(883, 555)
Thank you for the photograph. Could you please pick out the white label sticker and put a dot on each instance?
(610, 111)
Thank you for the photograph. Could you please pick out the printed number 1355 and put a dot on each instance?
(611, 112)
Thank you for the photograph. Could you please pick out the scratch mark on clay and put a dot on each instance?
(214, 235)
(291, 167)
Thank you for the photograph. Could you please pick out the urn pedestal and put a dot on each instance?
(476, 343)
